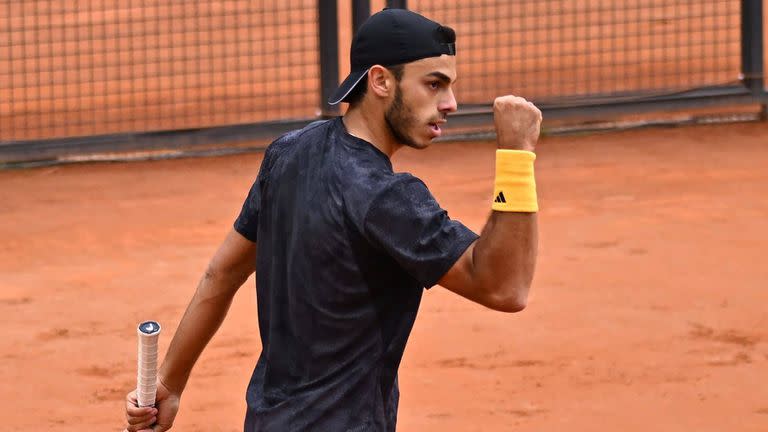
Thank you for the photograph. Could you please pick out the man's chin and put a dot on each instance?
(419, 145)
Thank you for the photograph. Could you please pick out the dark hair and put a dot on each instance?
(358, 93)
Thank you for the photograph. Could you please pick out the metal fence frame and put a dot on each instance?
(750, 91)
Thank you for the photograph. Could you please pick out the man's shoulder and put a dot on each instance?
(291, 141)
(311, 130)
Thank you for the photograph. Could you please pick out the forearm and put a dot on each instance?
(497, 269)
(504, 258)
(229, 268)
(203, 317)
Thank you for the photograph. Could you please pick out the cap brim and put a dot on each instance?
(347, 86)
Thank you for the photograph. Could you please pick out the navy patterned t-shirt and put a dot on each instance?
(345, 249)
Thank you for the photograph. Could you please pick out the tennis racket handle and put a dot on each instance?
(146, 382)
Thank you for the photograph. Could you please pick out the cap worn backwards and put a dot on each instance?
(392, 37)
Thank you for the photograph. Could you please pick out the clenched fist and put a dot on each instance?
(517, 122)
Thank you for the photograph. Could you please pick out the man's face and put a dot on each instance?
(422, 100)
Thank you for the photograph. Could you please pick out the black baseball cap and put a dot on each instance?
(392, 37)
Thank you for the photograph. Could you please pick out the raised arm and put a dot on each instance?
(229, 268)
(497, 269)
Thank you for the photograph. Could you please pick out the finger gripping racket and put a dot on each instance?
(146, 387)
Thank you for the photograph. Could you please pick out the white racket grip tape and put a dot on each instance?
(146, 386)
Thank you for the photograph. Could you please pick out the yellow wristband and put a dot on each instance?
(515, 186)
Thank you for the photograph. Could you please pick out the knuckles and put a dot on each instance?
(517, 122)
(510, 104)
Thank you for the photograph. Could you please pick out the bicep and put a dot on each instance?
(460, 278)
(234, 261)
(497, 270)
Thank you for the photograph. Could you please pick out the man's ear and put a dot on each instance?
(380, 81)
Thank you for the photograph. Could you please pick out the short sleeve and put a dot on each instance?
(406, 221)
(247, 223)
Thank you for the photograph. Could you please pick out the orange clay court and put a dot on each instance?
(648, 310)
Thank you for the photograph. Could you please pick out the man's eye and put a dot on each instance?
(434, 85)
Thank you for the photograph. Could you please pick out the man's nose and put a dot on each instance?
(448, 104)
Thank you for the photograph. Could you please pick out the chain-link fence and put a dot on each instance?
(544, 50)
(90, 67)
(92, 75)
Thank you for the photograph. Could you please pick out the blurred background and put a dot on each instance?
(88, 77)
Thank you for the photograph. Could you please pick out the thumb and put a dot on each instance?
(162, 425)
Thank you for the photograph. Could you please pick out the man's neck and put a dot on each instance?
(371, 127)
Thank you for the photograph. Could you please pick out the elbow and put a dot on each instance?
(229, 276)
(509, 305)
(220, 283)
(211, 273)
(510, 299)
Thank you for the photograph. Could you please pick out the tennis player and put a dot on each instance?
(343, 247)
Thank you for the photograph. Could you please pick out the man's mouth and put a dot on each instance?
(435, 128)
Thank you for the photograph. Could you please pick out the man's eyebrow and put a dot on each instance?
(441, 76)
